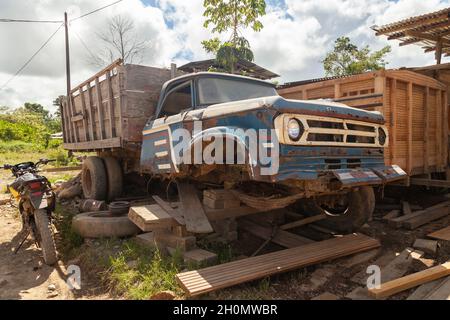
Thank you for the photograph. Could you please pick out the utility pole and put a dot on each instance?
(68, 98)
(66, 26)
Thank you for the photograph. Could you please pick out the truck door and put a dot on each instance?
(157, 145)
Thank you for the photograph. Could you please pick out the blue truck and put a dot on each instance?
(227, 131)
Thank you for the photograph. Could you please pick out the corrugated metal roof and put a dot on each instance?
(249, 68)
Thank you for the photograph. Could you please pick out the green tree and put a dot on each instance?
(347, 59)
(36, 108)
(232, 15)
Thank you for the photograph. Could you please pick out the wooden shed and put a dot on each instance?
(414, 107)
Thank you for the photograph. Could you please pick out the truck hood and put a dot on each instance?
(309, 107)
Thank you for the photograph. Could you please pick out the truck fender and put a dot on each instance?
(229, 133)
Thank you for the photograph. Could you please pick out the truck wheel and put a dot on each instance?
(93, 179)
(46, 240)
(360, 205)
(114, 176)
(103, 225)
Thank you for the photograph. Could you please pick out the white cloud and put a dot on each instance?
(295, 37)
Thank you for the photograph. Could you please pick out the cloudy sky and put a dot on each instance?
(296, 36)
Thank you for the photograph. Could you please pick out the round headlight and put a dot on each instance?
(295, 129)
(381, 136)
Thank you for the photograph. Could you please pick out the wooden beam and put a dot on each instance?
(112, 120)
(410, 281)
(410, 127)
(393, 133)
(90, 112)
(303, 222)
(280, 237)
(83, 106)
(401, 26)
(100, 114)
(438, 54)
(426, 131)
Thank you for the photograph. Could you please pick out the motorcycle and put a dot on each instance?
(36, 202)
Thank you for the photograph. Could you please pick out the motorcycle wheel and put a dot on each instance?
(46, 239)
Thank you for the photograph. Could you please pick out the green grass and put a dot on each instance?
(147, 274)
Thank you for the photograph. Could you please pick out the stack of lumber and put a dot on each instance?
(221, 276)
(416, 219)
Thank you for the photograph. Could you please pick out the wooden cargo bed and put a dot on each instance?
(414, 106)
(110, 109)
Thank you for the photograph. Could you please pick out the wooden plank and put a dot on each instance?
(443, 234)
(406, 208)
(430, 182)
(100, 114)
(232, 273)
(85, 123)
(438, 129)
(426, 131)
(441, 292)
(398, 222)
(98, 144)
(303, 222)
(409, 163)
(410, 281)
(151, 217)
(112, 121)
(282, 238)
(429, 215)
(391, 215)
(393, 133)
(90, 112)
(399, 265)
(172, 212)
(424, 290)
(193, 212)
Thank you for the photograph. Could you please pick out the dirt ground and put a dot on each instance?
(24, 275)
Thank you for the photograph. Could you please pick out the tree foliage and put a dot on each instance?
(232, 15)
(347, 59)
(30, 124)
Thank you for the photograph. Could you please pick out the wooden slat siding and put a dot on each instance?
(100, 113)
(410, 127)
(408, 152)
(438, 127)
(393, 110)
(236, 272)
(90, 112)
(446, 129)
(337, 91)
(112, 120)
(85, 122)
(98, 74)
(426, 130)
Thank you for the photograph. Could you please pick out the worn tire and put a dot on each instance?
(103, 225)
(114, 177)
(47, 241)
(93, 179)
(360, 209)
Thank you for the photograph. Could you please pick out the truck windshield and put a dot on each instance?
(217, 90)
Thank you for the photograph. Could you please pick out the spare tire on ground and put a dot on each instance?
(103, 224)
(93, 179)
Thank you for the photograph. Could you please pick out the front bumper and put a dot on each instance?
(372, 176)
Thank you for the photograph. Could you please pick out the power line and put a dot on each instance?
(31, 58)
(96, 10)
(33, 21)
